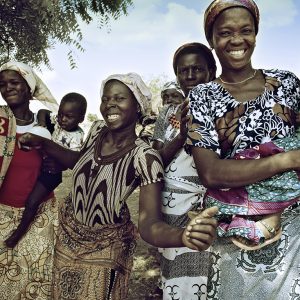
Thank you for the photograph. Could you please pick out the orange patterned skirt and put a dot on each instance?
(93, 262)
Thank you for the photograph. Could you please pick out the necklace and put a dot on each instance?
(26, 121)
(225, 82)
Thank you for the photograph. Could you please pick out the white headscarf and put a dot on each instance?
(38, 89)
(135, 83)
(171, 85)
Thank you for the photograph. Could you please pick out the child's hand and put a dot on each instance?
(201, 231)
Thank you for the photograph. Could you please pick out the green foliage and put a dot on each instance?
(28, 28)
(92, 117)
(155, 85)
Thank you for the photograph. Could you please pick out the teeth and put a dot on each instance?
(112, 117)
(237, 53)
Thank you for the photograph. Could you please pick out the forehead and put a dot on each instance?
(116, 86)
(171, 91)
(233, 16)
(11, 74)
(190, 59)
(69, 106)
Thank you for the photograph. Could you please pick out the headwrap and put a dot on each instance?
(196, 48)
(38, 89)
(171, 85)
(217, 6)
(135, 83)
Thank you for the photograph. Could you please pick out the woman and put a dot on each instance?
(26, 268)
(93, 256)
(184, 271)
(233, 113)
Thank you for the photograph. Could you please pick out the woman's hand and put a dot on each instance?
(201, 231)
(184, 118)
(30, 141)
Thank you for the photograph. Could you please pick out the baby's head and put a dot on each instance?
(71, 111)
(171, 93)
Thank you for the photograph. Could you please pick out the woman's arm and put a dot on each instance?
(156, 232)
(67, 158)
(227, 173)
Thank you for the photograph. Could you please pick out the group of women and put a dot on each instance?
(91, 255)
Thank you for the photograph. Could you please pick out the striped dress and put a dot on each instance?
(96, 236)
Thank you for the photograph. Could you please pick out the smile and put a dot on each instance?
(237, 53)
(112, 118)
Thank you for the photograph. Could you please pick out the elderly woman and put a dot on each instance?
(26, 269)
(233, 113)
(96, 239)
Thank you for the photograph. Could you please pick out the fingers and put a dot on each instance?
(200, 237)
(208, 212)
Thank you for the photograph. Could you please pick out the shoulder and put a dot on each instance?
(144, 149)
(280, 74)
(204, 90)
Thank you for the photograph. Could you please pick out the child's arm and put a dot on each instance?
(43, 117)
(36, 197)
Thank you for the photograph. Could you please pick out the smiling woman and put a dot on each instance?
(96, 239)
(233, 117)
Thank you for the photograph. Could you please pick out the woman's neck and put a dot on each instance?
(23, 115)
(120, 138)
(235, 76)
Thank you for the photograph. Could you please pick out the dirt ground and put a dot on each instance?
(145, 272)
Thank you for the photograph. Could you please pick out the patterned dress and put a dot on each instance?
(184, 271)
(226, 126)
(94, 252)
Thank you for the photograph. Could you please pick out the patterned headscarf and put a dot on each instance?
(171, 85)
(38, 89)
(135, 83)
(217, 6)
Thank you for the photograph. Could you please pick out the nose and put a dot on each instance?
(190, 74)
(236, 39)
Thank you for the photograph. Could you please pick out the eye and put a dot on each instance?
(104, 99)
(120, 99)
(247, 31)
(182, 71)
(224, 33)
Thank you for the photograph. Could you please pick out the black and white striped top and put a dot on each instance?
(101, 184)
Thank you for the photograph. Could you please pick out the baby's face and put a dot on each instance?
(69, 116)
(172, 96)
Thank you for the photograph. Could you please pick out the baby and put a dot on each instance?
(66, 132)
(168, 121)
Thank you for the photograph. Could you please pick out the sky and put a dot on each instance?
(145, 40)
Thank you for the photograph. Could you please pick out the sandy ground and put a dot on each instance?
(145, 272)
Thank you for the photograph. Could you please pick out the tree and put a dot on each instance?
(155, 84)
(28, 28)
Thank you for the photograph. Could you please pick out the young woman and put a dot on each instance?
(184, 271)
(96, 239)
(233, 113)
(26, 264)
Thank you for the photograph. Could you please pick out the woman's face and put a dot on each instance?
(14, 89)
(119, 107)
(233, 38)
(172, 96)
(192, 70)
